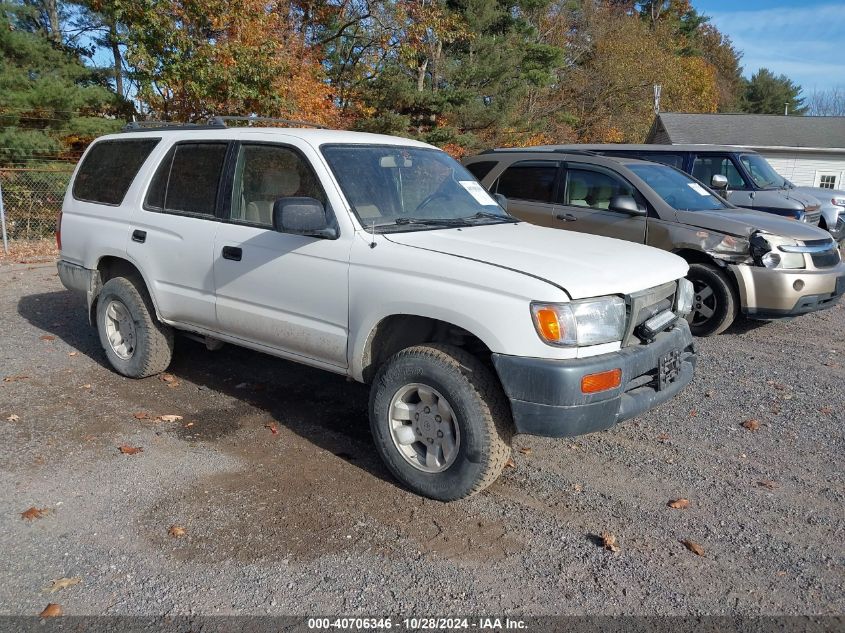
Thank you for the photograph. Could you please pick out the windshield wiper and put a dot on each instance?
(482, 215)
(433, 221)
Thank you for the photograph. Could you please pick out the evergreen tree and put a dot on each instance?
(766, 93)
(50, 102)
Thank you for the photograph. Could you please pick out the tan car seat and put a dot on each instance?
(274, 184)
(578, 193)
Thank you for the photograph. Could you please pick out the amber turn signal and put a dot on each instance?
(602, 381)
(548, 324)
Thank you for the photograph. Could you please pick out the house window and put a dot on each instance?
(827, 181)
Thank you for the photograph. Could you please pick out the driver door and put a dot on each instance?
(583, 203)
(278, 290)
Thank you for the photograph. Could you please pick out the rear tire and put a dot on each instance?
(440, 421)
(136, 344)
(715, 305)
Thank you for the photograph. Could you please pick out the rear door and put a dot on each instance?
(172, 235)
(584, 196)
(530, 187)
(279, 290)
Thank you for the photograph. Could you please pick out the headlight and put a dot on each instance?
(838, 201)
(729, 248)
(580, 323)
(683, 300)
(767, 252)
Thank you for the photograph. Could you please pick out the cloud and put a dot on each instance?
(804, 43)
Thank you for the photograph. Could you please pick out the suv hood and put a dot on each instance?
(825, 196)
(583, 265)
(744, 222)
(804, 197)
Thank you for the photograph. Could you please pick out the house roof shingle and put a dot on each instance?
(752, 130)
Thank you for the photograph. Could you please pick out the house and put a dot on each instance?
(807, 150)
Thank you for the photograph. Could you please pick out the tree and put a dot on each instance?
(766, 93)
(49, 101)
(829, 102)
(195, 58)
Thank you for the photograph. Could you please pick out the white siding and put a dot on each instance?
(804, 168)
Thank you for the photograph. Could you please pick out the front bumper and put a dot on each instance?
(767, 293)
(546, 397)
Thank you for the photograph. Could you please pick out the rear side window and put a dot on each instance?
(529, 180)
(109, 169)
(481, 169)
(187, 180)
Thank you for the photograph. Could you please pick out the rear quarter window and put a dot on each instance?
(109, 169)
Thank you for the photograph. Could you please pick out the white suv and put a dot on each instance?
(382, 259)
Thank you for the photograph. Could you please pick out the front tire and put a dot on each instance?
(715, 305)
(440, 421)
(136, 343)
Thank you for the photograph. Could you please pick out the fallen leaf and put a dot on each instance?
(130, 450)
(141, 415)
(609, 542)
(48, 337)
(693, 413)
(34, 513)
(15, 378)
(662, 437)
(176, 531)
(751, 425)
(272, 427)
(779, 386)
(189, 425)
(767, 483)
(679, 504)
(167, 377)
(88, 386)
(168, 418)
(826, 411)
(51, 611)
(62, 583)
(577, 488)
(13, 418)
(525, 450)
(510, 463)
(694, 547)
(781, 573)
(72, 353)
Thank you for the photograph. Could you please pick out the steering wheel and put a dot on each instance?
(429, 199)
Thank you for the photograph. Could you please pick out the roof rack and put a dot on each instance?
(221, 120)
(545, 150)
(157, 126)
(214, 123)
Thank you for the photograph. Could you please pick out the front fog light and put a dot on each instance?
(686, 293)
(770, 260)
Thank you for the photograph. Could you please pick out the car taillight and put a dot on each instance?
(59, 230)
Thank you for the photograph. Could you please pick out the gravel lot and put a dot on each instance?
(306, 520)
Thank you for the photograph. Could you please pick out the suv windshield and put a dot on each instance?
(408, 187)
(762, 173)
(677, 189)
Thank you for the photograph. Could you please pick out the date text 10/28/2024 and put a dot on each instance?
(417, 624)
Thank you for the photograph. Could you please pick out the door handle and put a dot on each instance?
(139, 236)
(232, 252)
(566, 217)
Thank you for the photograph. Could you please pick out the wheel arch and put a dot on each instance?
(396, 332)
(109, 267)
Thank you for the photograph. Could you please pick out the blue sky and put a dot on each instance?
(803, 40)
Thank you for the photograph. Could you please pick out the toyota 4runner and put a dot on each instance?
(384, 260)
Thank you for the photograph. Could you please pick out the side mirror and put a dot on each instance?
(625, 204)
(503, 202)
(718, 181)
(302, 216)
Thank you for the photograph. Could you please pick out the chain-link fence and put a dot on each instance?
(32, 198)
